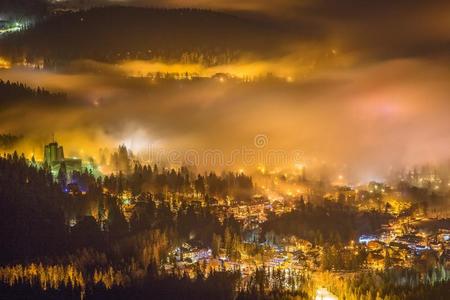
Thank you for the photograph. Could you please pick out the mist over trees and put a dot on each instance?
(9, 141)
(16, 92)
(340, 118)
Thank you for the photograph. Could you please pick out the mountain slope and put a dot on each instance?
(114, 33)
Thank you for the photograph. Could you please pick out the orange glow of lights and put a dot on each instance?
(4, 63)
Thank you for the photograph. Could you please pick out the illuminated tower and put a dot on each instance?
(53, 153)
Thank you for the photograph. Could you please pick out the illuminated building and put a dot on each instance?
(53, 153)
(54, 156)
(366, 238)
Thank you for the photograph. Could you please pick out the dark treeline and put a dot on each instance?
(328, 223)
(38, 210)
(217, 285)
(148, 179)
(337, 257)
(19, 9)
(137, 178)
(32, 220)
(394, 284)
(9, 141)
(117, 33)
(421, 198)
(12, 92)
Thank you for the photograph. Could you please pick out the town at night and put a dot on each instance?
(221, 149)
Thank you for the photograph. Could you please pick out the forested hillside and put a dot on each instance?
(116, 33)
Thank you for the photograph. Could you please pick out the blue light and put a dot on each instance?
(366, 238)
